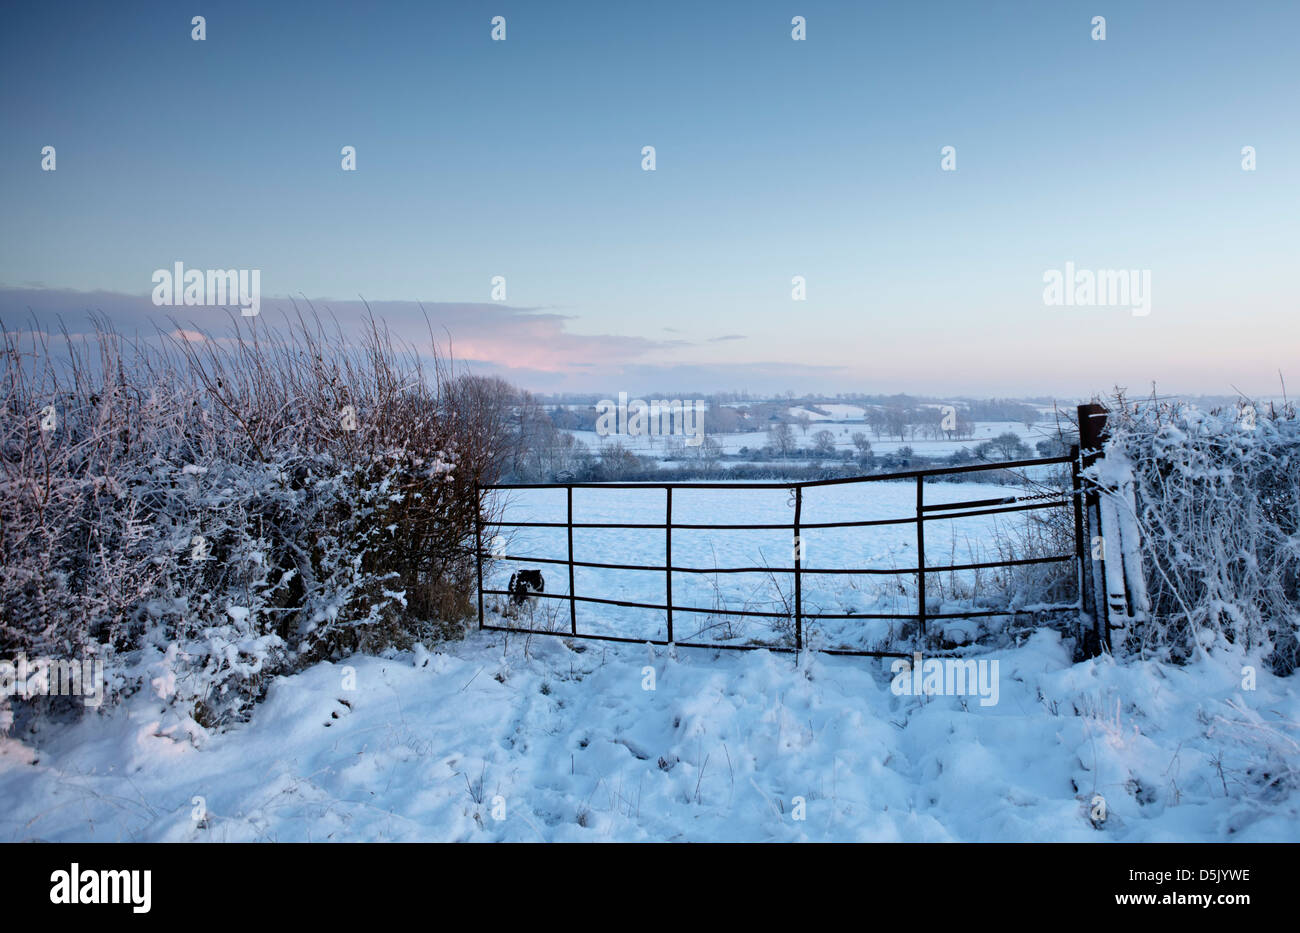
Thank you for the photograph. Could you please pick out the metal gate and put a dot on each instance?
(925, 513)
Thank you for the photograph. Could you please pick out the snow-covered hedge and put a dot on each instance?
(205, 516)
(1218, 505)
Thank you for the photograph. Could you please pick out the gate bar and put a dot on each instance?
(920, 552)
(806, 484)
(758, 614)
(767, 568)
(1021, 506)
(573, 605)
(668, 558)
(798, 570)
(478, 550)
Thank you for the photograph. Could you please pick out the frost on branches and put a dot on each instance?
(1218, 508)
(206, 516)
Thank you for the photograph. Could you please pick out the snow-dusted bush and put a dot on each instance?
(1218, 506)
(208, 514)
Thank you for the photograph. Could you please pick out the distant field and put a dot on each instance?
(843, 431)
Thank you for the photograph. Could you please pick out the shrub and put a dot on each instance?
(1218, 507)
(205, 514)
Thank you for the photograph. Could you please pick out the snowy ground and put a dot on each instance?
(506, 737)
(565, 743)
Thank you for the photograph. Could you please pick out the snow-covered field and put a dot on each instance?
(834, 411)
(498, 738)
(731, 443)
(948, 542)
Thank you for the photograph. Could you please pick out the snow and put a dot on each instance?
(564, 742)
(506, 737)
(731, 443)
(835, 411)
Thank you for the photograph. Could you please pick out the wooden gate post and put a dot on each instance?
(1119, 583)
(1092, 597)
(1080, 537)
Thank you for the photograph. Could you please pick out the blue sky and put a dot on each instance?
(775, 158)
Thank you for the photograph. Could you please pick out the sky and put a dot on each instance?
(774, 158)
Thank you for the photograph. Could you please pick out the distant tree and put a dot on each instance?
(1051, 447)
(724, 419)
(509, 421)
(1006, 446)
(560, 453)
(710, 449)
(875, 418)
(1010, 446)
(618, 462)
(861, 443)
(780, 437)
(897, 420)
(824, 443)
(929, 421)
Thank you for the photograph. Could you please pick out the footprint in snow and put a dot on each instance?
(347, 708)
